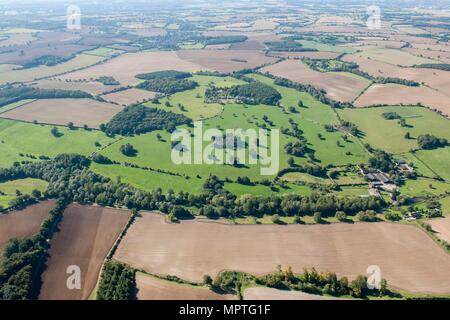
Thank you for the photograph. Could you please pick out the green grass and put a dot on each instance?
(157, 154)
(438, 160)
(25, 186)
(421, 188)
(420, 167)
(103, 52)
(15, 105)
(193, 100)
(388, 134)
(304, 177)
(149, 180)
(349, 178)
(27, 138)
(326, 47)
(239, 189)
(445, 202)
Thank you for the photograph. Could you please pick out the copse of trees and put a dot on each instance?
(108, 81)
(23, 260)
(224, 40)
(168, 85)
(428, 142)
(138, 119)
(167, 74)
(46, 60)
(382, 161)
(10, 94)
(255, 93)
(117, 282)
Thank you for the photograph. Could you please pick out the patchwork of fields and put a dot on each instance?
(88, 120)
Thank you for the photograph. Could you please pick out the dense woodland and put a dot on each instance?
(23, 260)
(47, 60)
(117, 282)
(254, 92)
(10, 95)
(138, 119)
(168, 85)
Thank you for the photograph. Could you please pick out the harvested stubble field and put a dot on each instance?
(436, 79)
(151, 288)
(225, 60)
(17, 40)
(392, 94)
(23, 223)
(339, 86)
(394, 56)
(62, 111)
(129, 96)
(263, 293)
(80, 61)
(86, 235)
(408, 258)
(442, 227)
(125, 67)
(92, 87)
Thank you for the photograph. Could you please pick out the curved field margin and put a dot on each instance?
(151, 288)
(263, 293)
(442, 227)
(86, 235)
(408, 258)
(23, 223)
(339, 86)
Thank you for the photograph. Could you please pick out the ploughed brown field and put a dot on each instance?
(225, 60)
(339, 87)
(408, 258)
(151, 288)
(125, 67)
(442, 227)
(392, 94)
(86, 235)
(129, 96)
(62, 111)
(263, 293)
(23, 223)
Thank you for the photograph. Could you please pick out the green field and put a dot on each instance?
(103, 52)
(326, 47)
(193, 100)
(437, 160)
(424, 187)
(420, 167)
(25, 186)
(260, 190)
(156, 154)
(26, 138)
(388, 134)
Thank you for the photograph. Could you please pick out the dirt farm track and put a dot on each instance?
(408, 258)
